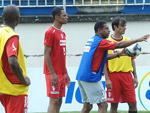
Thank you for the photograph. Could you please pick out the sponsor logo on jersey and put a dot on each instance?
(109, 94)
(87, 48)
(26, 101)
(62, 42)
(13, 46)
(91, 39)
(111, 42)
(110, 99)
(54, 92)
(53, 88)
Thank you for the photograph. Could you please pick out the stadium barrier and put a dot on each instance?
(38, 101)
(41, 7)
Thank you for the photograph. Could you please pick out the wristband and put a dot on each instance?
(117, 54)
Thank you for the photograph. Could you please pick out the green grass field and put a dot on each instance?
(109, 112)
(96, 112)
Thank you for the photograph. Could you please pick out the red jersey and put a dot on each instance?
(11, 49)
(100, 52)
(56, 39)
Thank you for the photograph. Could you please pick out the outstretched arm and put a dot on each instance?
(127, 43)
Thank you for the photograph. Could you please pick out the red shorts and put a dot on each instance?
(59, 91)
(14, 104)
(122, 88)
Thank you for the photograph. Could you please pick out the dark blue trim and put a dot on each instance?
(42, 10)
(136, 9)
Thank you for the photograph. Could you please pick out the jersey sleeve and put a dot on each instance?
(133, 58)
(107, 45)
(49, 38)
(12, 46)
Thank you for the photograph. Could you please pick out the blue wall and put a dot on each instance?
(42, 10)
(136, 9)
(39, 10)
(131, 9)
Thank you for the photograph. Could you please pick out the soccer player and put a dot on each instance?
(120, 71)
(13, 77)
(92, 65)
(55, 60)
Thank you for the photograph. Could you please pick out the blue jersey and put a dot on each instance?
(85, 69)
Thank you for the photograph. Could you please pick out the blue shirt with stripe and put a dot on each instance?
(85, 69)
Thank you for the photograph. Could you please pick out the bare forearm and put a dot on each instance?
(134, 69)
(126, 43)
(49, 63)
(106, 73)
(108, 81)
(111, 56)
(16, 69)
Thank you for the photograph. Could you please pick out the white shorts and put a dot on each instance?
(92, 92)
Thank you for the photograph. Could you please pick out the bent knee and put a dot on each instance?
(88, 106)
(103, 105)
(55, 101)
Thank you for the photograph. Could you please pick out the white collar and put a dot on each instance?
(56, 27)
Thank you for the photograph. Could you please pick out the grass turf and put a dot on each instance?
(96, 112)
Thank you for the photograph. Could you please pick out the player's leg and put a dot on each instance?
(62, 85)
(102, 107)
(114, 107)
(52, 108)
(132, 107)
(54, 95)
(59, 104)
(128, 94)
(87, 107)
(113, 95)
(96, 94)
(54, 105)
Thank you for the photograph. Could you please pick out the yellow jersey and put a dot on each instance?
(6, 87)
(121, 64)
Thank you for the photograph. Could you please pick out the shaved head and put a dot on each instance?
(10, 14)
